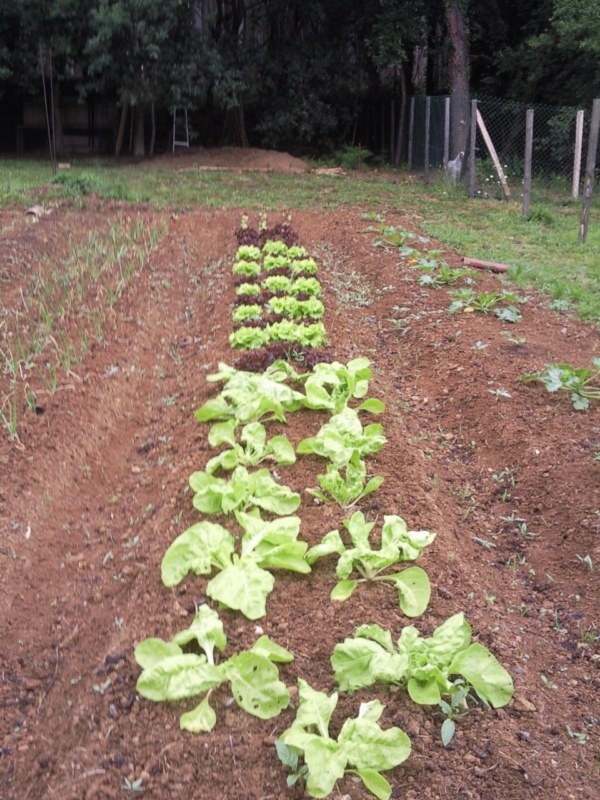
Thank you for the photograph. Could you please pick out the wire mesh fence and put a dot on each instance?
(438, 129)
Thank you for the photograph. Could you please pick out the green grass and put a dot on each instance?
(543, 251)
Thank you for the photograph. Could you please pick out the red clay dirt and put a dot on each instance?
(98, 490)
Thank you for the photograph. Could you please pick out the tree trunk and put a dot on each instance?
(399, 143)
(420, 59)
(139, 147)
(459, 76)
(241, 119)
(59, 137)
(121, 133)
(153, 131)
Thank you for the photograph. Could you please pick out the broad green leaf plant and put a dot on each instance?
(362, 747)
(398, 544)
(170, 674)
(243, 581)
(424, 666)
(579, 383)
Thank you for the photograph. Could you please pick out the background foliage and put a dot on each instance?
(296, 74)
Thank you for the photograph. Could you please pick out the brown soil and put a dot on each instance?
(99, 489)
(235, 159)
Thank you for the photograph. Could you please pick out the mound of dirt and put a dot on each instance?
(240, 159)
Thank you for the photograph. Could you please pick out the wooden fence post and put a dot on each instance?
(578, 150)
(446, 132)
(588, 184)
(528, 159)
(411, 131)
(427, 126)
(472, 148)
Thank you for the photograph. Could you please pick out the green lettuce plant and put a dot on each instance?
(297, 252)
(253, 450)
(248, 252)
(277, 283)
(242, 490)
(251, 289)
(312, 335)
(243, 581)
(304, 266)
(398, 544)
(170, 674)
(245, 312)
(309, 286)
(247, 268)
(346, 485)
(425, 666)
(362, 747)
(248, 338)
(331, 386)
(271, 262)
(250, 397)
(297, 309)
(343, 435)
(275, 248)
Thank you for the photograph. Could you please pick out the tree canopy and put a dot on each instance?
(298, 73)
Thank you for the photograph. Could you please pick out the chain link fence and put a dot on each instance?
(437, 129)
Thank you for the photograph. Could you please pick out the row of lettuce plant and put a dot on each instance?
(244, 565)
(278, 312)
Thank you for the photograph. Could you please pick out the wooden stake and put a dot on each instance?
(427, 127)
(495, 266)
(528, 159)
(473, 141)
(492, 151)
(588, 185)
(578, 151)
(446, 132)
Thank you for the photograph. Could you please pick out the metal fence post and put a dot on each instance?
(446, 132)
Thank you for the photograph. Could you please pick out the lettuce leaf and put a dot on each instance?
(424, 665)
(344, 434)
(241, 491)
(168, 674)
(362, 745)
(253, 451)
(198, 549)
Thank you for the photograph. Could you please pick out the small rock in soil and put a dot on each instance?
(520, 703)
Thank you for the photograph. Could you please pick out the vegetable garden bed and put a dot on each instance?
(99, 492)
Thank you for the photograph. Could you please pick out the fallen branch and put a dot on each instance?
(495, 266)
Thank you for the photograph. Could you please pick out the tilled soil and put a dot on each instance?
(97, 490)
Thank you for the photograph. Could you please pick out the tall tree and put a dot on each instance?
(459, 73)
(132, 40)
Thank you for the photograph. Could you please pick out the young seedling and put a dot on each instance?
(580, 383)
(453, 711)
(347, 484)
